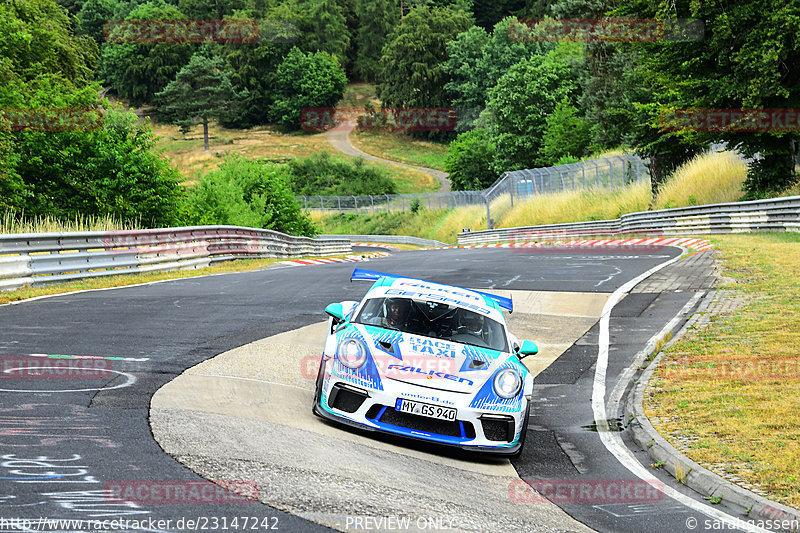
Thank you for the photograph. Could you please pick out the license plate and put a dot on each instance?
(425, 409)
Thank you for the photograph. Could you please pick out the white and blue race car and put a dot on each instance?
(426, 361)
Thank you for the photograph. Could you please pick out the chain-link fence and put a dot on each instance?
(604, 173)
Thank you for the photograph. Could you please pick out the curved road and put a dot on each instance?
(68, 444)
(340, 139)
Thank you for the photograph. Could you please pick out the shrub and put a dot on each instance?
(324, 175)
(469, 161)
(306, 80)
(248, 193)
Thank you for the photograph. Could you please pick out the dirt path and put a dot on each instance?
(340, 139)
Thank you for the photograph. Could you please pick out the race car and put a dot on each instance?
(426, 361)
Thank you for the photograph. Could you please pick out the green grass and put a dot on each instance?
(736, 382)
(401, 147)
(357, 95)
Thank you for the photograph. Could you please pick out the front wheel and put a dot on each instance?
(524, 433)
(318, 388)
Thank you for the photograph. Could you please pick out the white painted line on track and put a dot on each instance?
(613, 442)
(130, 379)
(253, 379)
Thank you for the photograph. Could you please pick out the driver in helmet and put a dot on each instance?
(397, 312)
(472, 323)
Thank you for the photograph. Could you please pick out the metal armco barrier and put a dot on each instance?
(389, 239)
(38, 258)
(775, 214)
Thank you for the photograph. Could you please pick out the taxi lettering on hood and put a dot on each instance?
(429, 346)
(432, 373)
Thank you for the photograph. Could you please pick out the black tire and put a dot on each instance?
(524, 434)
(318, 389)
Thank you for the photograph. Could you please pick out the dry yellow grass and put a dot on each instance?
(192, 161)
(12, 222)
(473, 217)
(576, 206)
(709, 178)
(732, 390)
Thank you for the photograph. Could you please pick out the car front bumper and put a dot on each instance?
(477, 430)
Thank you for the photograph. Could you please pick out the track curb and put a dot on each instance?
(711, 485)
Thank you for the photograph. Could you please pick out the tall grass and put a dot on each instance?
(709, 178)
(577, 206)
(12, 222)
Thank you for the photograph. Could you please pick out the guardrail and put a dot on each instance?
(389, 239)
(774, 214)
(39, 258)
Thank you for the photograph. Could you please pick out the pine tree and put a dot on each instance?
(200, 91)
(376, 20)
(328, 32)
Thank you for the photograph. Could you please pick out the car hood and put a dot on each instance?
(429, 362)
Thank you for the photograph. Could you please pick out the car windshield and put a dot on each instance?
(434, 319)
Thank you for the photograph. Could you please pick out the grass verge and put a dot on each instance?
(401, 147)
(728, 394)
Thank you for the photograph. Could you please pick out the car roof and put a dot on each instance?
(403, 287)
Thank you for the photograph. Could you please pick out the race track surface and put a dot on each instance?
(68, 444)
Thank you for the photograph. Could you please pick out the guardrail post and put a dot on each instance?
(355, 201)
(388, 203)
(339, 199)
(583, 174)
(322, 205)
(488, 214)
(373, 203)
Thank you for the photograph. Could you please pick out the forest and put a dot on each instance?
(528, 89)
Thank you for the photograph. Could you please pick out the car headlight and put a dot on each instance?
(507, 383)
(352, 353)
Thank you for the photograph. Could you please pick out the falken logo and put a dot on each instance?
(436, 348)
(431, 373)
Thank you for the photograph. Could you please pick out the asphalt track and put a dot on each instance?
(65, 442)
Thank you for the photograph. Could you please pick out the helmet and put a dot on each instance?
(396, 311)
(472, 321)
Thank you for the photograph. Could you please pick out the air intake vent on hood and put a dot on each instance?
(476, 364)
(386, 346)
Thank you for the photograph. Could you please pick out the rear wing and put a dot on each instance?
(362, 274)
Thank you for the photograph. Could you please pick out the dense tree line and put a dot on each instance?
(522, 99)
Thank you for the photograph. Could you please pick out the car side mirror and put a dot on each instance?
(528, 348)
(336, 311)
